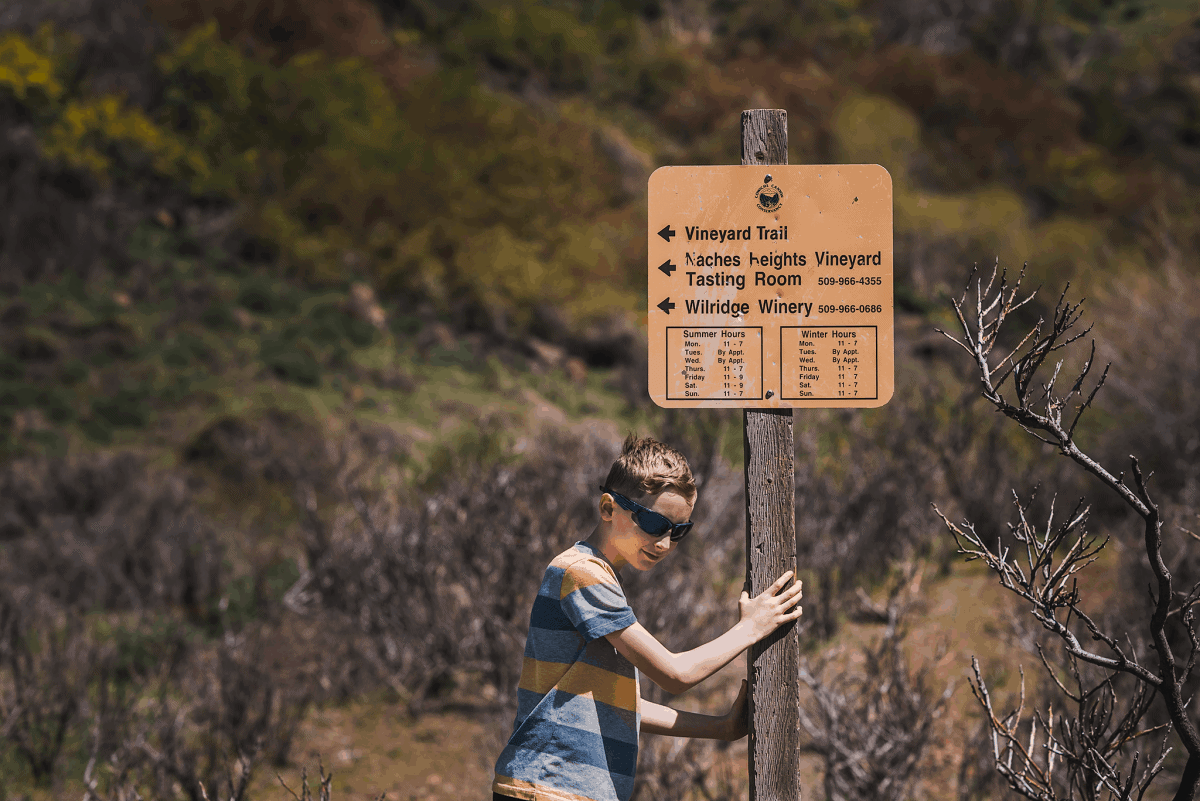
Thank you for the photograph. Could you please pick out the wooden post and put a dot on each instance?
(771, 544)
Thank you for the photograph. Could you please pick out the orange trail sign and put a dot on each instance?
(771, 286)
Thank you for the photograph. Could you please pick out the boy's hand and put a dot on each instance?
(768, 611)
(737, 719)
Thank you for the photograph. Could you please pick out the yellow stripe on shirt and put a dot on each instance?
(585, 574)
(580, 679)
(517, 788)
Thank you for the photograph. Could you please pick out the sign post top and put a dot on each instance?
(770, 286)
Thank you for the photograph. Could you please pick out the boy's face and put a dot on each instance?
(635, 547)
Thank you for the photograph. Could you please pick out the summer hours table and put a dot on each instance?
(718, 363)
(829, 362)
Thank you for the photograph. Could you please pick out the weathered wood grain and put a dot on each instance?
(771, 544)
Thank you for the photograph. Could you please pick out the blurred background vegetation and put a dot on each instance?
(299, 297)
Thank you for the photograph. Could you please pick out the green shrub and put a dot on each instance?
(97, 429)
(526, 37)
(875, 130)
(47, 442)
(175, 388)
(261, 295)
(100, 135)
(292, 360)
(140, 648)
(17, 395)
(106, 138)
(128, 408)
(318, 144)
(184, 349)
(360, 333)
(783, 25)
(405, 324)
(11, 369)
(57, 403)
(38, 344)
(72, 372)
(328, 324)
(218, 316)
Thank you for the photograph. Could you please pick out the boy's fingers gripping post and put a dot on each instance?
(794, 593)
(773, 607)
(779, 582)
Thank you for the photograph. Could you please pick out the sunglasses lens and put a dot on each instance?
(652, 523)
(680, 532)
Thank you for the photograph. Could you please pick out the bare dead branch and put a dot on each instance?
(1085, 749)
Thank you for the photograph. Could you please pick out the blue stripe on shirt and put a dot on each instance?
(548, 614)
(580, 712)
(550, 645)
(553, 743)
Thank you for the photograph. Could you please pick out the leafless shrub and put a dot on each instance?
(197, 724)
(855, 517)
(278, 446)
(442, 586)
(213, 718)
(904, 593)
(106, 532)
(323, 789)
(675, 769)
(214, 708)
(45, 664)
(871, 724)
(111, 752)
(1085, 756)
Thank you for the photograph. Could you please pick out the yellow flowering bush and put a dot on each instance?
(27, 70)
(448, 189)
(94, 134)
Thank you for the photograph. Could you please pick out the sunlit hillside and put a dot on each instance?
(320, 322)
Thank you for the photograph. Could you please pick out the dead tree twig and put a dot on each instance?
(1083, 749)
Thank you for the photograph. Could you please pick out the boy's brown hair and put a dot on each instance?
(647, 466)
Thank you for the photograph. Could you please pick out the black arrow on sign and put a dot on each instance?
(666, 233)
(667, 267)
(666, 305)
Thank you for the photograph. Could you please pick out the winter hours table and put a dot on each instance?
(829, 362)
(719, 363)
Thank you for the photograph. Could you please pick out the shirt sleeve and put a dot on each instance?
(593, 600)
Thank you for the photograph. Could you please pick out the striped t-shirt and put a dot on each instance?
(576, 732)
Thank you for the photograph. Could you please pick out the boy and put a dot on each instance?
(579, 712)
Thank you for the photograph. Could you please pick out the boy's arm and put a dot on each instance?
(678, 672)
(659, 719)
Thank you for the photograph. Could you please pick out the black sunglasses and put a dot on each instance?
(650, 521)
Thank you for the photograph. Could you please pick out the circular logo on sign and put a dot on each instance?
(769, 196)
